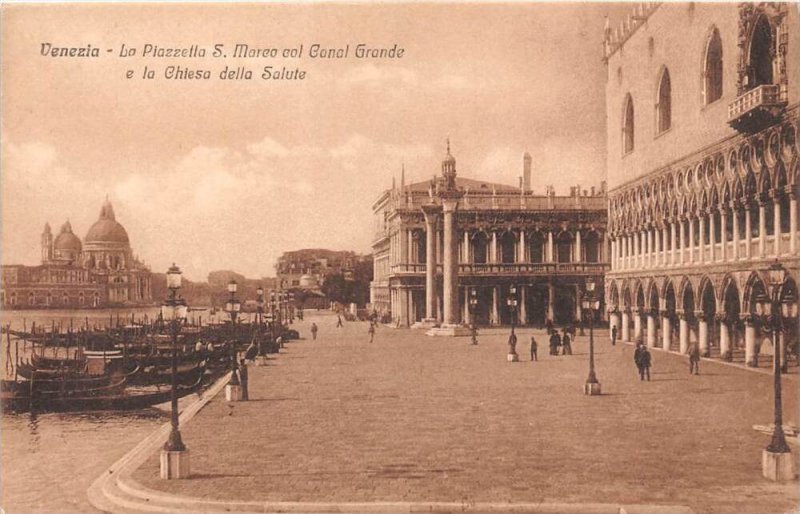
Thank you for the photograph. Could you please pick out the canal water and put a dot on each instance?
(50, 460)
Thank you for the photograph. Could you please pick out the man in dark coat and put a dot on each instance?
(694, 359)
(637, 357)
(613, 335)
(555, 342)
(645, 364)
(243, 378)
(534, 347)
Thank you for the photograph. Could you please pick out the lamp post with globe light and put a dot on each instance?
(473, 309)
(233, 391)
(511, 301)
(591, 305)
(773, 307)
(174, 455)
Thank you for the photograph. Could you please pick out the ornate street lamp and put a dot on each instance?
(591, 305)
(772, 308)
(260, 304)
(174, 456)
(473, 310)
(233, 307)
(511, 301)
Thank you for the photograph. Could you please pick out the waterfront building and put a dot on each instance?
(306, 271)
(100, 271)
(438, 241)
(702, 169)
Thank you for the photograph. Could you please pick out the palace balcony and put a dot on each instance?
(509, 269)
(756, 108)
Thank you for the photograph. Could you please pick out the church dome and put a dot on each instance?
(67, 240)
(106, 229)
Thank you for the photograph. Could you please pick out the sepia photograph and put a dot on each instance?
(399, 256)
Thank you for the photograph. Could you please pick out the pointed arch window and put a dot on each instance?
(761, 54)
(627, 125)
(664, 104)
(713, 67)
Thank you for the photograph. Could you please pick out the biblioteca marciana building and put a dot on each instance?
(702, 171)
(100, 271)
(442, 243)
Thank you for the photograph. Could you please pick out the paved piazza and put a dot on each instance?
(413, 418)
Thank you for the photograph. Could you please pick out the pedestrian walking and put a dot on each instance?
(339, 321)
(646, 360)
(474, 333)
(314, 331)
(371, 332)
(613, 335)
(534, 347)
(637, 358)
(243, 378)
(694, 359)
(555, 342)
(566, 343)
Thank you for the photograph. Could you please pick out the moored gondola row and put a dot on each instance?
(126, 367)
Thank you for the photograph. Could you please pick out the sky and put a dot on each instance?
(223, 174)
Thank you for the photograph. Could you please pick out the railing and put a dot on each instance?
(498, 268)
(762, 96)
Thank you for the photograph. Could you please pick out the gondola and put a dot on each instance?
(46, 381)
(153, 375)
(39, 362)
(14, 402)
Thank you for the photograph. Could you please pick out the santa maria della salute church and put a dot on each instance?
(99, 272)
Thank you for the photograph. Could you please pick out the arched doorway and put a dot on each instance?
(708, 305)
(654, 301)
(508, 245)
(564, 308)
(536, 304)
(536, 247)
(731, 319)
(670, 308)
(564, 247)
(480, 248)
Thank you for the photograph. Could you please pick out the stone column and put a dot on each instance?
(683, 334)
(776, 223)
(762, 229)
(577, 257)
(551, 299)
(723, 232)
(649, 259)
(431, 213)
(666, 331)
(691, 241)
(450, 263)
(550, 246)
(702, 332)
(750, 356)
(724, 340)
(523, 309)
(792, 224)
(625, 329)
(578, 317)
(637, 326)
(403, 257)
(521, 257)
(495, 306)
(467, 314)
(651, 330)
(493, 248)
(735, 220)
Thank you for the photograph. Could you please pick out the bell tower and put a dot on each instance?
(47, 244)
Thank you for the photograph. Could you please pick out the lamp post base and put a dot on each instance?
(513, 357)
(174, 464)
(777, 466)
(591, 388)
(261, 360)
(233, 393)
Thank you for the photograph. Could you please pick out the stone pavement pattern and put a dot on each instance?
(414, 418)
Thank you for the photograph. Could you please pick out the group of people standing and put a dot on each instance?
(562, 341)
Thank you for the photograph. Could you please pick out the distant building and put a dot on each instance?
(545, 245)
(100, 271)
(307, 269)
(703, 171)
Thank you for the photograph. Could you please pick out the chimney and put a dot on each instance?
(526, 172)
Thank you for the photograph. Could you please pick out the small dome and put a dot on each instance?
(308, 281)
(66, 239)
(107, 229)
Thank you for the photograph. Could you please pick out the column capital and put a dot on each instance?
(431, 212)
